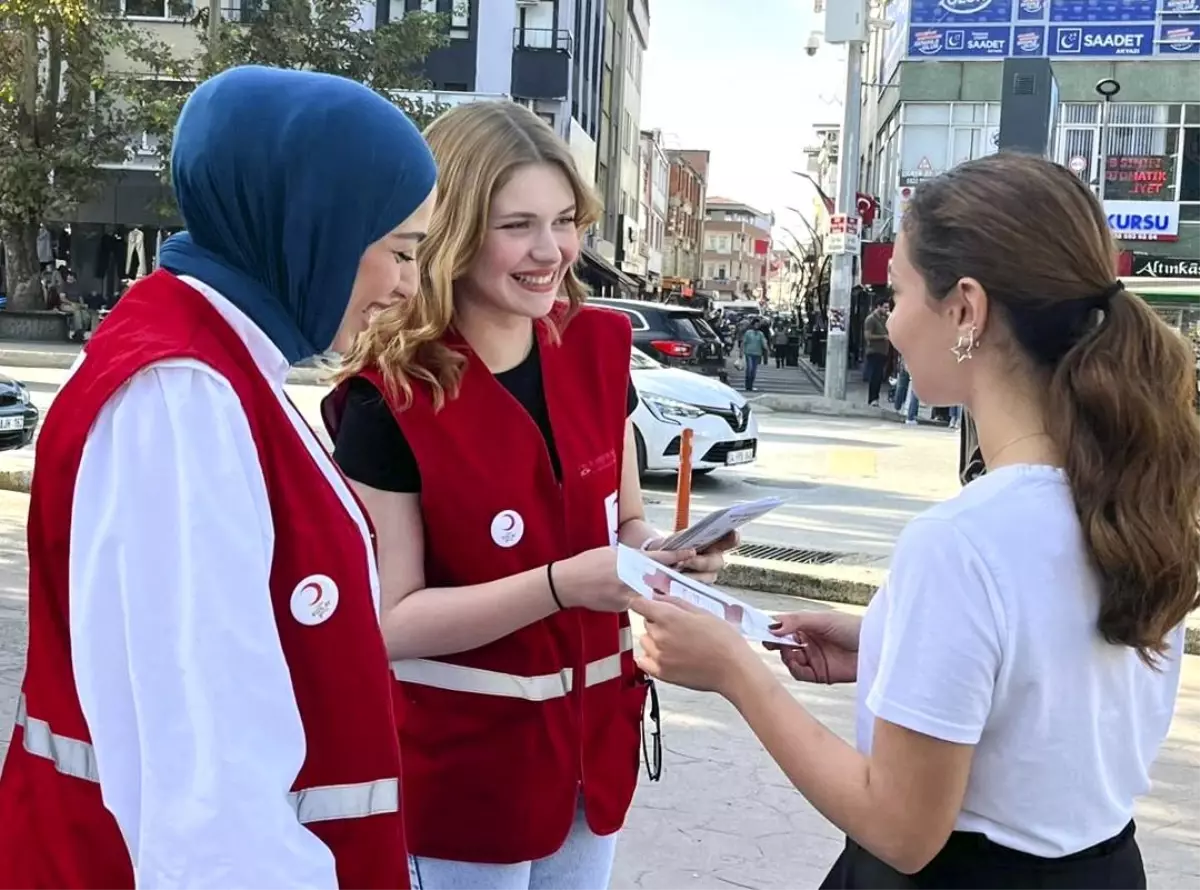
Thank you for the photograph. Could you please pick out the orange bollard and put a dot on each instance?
(683, 490)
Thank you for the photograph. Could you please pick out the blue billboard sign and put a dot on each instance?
(954, 12)
(1102, 40)
(1171, 8)
(1103, 10)
(963, 42)
(1032, 10)
(1058, 29)
(1177, 38)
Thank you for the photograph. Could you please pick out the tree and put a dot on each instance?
(65, 108)
(313, 35)
(61, 116)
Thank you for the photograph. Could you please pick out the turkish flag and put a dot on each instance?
(867, 207)
(762, 247)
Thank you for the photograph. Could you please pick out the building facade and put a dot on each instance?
(934, 86)
(561, 58)
(618, 164)
(821, 170)
(687, 204)
(653, 201)
(545, 54)
(737, 239)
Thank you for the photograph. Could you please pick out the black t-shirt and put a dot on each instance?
(371, 449)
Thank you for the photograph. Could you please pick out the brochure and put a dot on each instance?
(646, 576)
(718, 524)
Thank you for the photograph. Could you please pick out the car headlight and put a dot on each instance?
(24, 393)
(671, 410)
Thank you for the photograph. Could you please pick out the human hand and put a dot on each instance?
(706, 564)
(589, 580)
(689, 647)
(828, 651)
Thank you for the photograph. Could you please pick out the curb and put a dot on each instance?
(62, 361)
(16, 480)
(783, 582)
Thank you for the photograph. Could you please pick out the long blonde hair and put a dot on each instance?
(478, 147)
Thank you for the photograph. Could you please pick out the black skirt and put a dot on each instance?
(969, 861)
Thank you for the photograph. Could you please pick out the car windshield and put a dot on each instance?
(639, 361)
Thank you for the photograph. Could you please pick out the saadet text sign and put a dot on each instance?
(1143, 220)
(1102, 40)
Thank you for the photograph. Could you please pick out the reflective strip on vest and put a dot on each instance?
(72, 757)
(543, 687)
(326, 802)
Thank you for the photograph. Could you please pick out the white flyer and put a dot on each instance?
(719, 523)
(646, 576)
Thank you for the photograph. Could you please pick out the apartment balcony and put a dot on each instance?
(541, 63)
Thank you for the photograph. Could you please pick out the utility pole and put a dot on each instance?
(848, 23)
(214, 28)
(841, 277)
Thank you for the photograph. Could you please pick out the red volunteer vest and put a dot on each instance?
(56, 830)
(499, 742)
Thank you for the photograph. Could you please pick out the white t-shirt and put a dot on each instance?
(985, 634)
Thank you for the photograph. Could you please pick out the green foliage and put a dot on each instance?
(313, 35)
(77, 83)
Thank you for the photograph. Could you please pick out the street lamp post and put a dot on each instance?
(1106, 88)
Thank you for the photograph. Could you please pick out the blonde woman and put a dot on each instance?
(485, 427)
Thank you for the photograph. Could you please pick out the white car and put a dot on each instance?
(724, 429)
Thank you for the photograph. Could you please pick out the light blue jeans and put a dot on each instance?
(583, 862)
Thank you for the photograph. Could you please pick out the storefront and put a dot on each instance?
(115, 237)
(603, 279)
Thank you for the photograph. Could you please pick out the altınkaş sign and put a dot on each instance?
(1165, 267)
(1062, 29)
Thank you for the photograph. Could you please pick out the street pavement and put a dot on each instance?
(850, 484)
(723, 814)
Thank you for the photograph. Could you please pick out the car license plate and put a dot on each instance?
(8, 424)
(741, 456)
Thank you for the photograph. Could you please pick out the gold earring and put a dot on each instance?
(963, 348)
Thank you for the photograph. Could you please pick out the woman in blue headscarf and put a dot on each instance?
(207, 700)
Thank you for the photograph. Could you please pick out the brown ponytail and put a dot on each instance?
(1121, 408)
(1121, 384)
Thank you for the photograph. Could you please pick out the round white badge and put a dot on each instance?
(314, 600)
(508, 528)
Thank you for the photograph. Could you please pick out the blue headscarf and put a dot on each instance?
(283, 179)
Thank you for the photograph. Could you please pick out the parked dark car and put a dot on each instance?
(677, 336)
(18, 416)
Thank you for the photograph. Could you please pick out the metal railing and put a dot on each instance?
(557, 39)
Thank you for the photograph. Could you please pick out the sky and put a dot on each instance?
(740, 84)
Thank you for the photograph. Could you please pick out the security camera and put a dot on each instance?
(814, 43)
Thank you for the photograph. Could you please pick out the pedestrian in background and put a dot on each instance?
(206, 701)
(780, 347)
(485, 425)
(1018, 671)
(754, 350)
(878, 347)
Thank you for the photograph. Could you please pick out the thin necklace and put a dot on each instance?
(1009, 445)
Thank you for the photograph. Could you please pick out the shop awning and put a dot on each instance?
(607, 270)
(1172, 290)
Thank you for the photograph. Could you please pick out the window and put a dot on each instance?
(148, 9)
(1129, 136)
(941, 135)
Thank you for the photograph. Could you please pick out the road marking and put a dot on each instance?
(854, 462)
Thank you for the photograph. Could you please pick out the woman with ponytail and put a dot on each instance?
(1018, 671)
